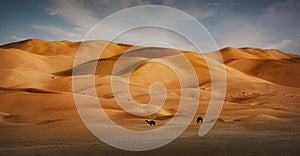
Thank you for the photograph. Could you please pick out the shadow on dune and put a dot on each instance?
(29, 90)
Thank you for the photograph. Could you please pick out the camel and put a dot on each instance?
(150, 122)
(199, 119)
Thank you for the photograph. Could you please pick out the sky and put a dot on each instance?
(271, 24)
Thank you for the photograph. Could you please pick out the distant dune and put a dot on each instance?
(263, 85)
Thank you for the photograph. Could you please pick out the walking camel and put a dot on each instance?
(199, 119)
(150, 122)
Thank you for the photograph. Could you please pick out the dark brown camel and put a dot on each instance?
(199, 119)
(150, 122)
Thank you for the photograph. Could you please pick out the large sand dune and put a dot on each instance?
(36, 95)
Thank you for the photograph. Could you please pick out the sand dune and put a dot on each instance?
(36, 85)
(43, 47)
(269, 69)
(47, 66)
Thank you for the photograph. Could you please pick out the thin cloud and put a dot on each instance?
(76, 34)
(86, 13)
(276, 25)
(213, 4)
(198, 9)
(75, 12)
(17, 38)
(286, 45)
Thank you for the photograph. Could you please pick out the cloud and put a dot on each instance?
(198, 9)
(276, 25)
(285, 10)
(157, 37)
(73, 34)
(213, 3)
(284, 26)
(75, 12)
(82, 15)
(286, 45)
(17, 38)
(86, 13)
